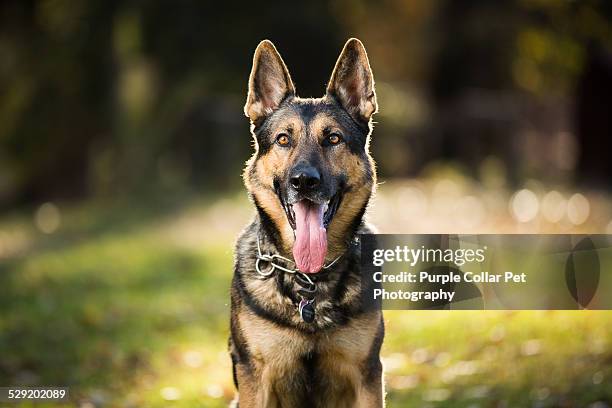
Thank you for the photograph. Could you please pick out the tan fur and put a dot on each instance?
(277, 351)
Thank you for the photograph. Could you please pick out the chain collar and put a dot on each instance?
(306, 305)
(270, 258)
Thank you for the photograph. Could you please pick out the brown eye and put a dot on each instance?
(282, 139)
(334, 139)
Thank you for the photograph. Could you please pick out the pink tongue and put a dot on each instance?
(310, 245)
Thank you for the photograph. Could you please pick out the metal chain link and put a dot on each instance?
(269, 258)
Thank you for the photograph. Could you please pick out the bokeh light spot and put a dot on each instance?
(48, 218)
(578, 209)
(554, 206)
(524, 205)
(171, 393)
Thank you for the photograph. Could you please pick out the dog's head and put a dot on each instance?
(311, 175)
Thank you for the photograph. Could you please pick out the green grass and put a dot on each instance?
(129, 307)
(472, 358)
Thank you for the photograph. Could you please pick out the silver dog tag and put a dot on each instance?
(307, 310)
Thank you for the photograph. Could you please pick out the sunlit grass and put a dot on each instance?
(121, 317)
(460, 358)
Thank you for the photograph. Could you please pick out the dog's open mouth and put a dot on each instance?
(309, 220)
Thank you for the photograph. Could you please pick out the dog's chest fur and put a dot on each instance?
(321, 370)
(333, 361)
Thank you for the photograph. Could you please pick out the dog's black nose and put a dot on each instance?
(305, 179)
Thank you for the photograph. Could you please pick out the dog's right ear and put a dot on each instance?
(269, 83)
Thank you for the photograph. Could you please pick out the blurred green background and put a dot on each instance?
(122, 139)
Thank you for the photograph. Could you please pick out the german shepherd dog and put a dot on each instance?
(300, 336)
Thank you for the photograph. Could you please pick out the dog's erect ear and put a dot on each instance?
(269, 82)
(352, 82)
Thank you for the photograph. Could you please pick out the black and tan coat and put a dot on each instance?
(279, 360)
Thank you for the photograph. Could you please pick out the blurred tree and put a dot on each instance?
(593, 119)
(105, 97)
(56, 78)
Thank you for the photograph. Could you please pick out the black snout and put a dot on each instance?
(305, 179)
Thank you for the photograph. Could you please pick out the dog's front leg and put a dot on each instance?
(371, 395)
(254, 389)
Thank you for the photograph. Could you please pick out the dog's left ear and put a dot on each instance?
(269, 82)
(352, 83)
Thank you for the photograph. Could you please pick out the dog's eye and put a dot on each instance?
(334, 138)
(282, 139)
